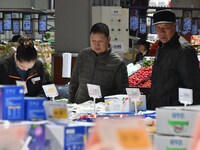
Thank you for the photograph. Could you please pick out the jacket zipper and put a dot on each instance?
(16, 77)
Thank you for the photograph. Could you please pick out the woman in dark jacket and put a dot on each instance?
(23, 68)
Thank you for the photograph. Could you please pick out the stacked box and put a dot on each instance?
(36, 132)
(65, 137)
(11, 102)
(175, 126)
(24, 135)
(121, 103)
(167, 142)
(34, 108)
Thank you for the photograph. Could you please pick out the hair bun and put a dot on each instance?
(25, 42)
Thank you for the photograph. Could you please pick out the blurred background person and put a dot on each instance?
(143, 46)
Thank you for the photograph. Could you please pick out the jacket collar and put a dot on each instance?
(12, 71)
(102, 55)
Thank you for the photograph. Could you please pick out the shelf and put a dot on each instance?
(157, 8)
(27, 10)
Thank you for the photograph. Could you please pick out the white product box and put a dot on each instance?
(121, 103)
(176, 120)
(163, 142)
(67, 137)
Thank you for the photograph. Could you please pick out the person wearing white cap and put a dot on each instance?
(175, 66)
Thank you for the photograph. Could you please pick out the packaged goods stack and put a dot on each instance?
(175, 127)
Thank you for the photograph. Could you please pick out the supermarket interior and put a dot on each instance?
(99, 75)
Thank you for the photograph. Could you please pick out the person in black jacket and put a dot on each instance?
(23, 68)
(175, 65)
(143, 47)
(98, 65)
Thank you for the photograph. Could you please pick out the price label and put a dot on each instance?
(133, 93)
(50, 90)
(185, 96)
(94, 91)
(133, 138)
(56, 112)
(60, 113)
(126, 134)
(22, 83)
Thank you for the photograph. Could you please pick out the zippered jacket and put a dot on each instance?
(175, 66)
(34, 80)
(107, 70)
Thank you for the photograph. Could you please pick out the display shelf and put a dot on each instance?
(27, 10)
(157, 8)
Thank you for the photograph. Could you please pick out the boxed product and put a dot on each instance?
(11, 102)
(36, 135)
(121, 103)
(177, 120)
(65, 137)
(163, 142)
(34, 108)
(22, 135)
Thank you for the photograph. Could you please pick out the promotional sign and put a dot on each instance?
(50, 90)
(94, 91)
(185, 96)
(133, 93)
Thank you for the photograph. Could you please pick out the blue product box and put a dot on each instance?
(67, 137)
(11, 102)
(36, 133)
(34, 108)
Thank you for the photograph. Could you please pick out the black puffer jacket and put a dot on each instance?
(34, 80)
(176, 65)
(107, 70)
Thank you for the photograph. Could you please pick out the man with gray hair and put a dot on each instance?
(176, 64)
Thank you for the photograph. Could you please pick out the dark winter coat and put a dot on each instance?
(34, 80)
(175, 66)
(107, 70)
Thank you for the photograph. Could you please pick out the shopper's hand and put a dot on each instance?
(94, 142)
(196, 137)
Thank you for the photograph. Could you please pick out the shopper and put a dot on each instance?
(98, 65)
(23, 68)
(143, 47)
(15, 38)
(175, 65)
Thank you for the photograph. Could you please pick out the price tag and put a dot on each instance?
(133, 93)
(56, 112)
(60, 113)
(22, 83)
(126, 134)
(50, 90)
(185, 96)
(133, 138)
(94, 91)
